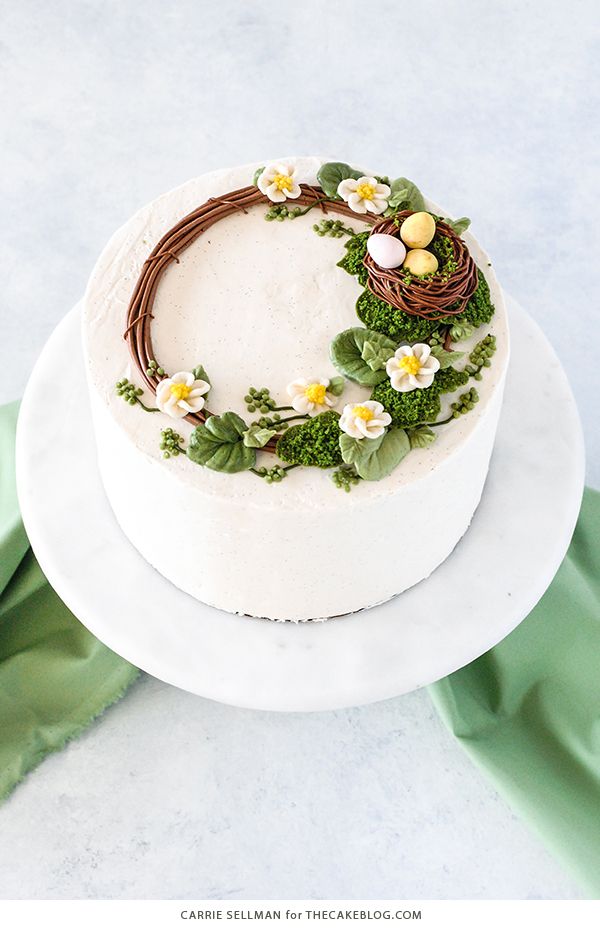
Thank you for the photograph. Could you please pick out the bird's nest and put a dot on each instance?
(434, 296)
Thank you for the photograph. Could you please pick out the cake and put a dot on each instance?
(296, 372)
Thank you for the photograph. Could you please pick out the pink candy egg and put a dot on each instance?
(386, 251)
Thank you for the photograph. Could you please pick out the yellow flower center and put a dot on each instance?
(180, 391)
(283, 182)
(363, 413)
(410, 364)
(365, 191)
(315, 393)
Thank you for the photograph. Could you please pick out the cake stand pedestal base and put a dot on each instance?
(494, 577)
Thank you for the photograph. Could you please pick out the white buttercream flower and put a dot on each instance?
(278, 182)
(310, 396)
(181, 394)
(364, 421)
(412, 367)
(365, 195)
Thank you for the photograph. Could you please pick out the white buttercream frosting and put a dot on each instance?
(254, 302)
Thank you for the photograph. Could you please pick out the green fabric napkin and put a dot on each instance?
(528, 711)
(55, 677)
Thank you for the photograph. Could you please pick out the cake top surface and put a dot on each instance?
(254, 304)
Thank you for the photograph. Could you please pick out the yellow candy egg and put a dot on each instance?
(420, 262)
(418, 230)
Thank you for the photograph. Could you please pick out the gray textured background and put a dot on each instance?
(492, 109)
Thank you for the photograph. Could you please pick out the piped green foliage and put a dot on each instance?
(479, 309)
(401, 327)
(407, 409)
(219, 444)
(420, 437)
(257, 436)
(375, 459)
(345, 478)
(405, 195)
(360, 354)
(315, 443)
(352, 261)
(460, 225)
(332, 173)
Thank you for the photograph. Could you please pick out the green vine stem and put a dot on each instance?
(281, 211)
(273, 475)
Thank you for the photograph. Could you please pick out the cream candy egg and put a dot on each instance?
(386, 251)
(420, 262)
(418, 230)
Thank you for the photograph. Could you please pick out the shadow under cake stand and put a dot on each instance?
(494, 577)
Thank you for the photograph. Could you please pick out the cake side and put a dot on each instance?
(328, 553)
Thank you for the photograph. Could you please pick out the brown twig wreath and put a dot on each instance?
(430, 298)
(433, 297)
(173, 243)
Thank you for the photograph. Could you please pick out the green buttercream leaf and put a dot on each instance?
(375, 459)
(219, 444)
(332, 173)
(256, 436)
(420, 437)
(199, 373)
(459, 226)
(257, 175)
(412, 198)
(347, 349)
(397, 198)
(461, 330)
(336, 385)
(376, 356)
(444, 357)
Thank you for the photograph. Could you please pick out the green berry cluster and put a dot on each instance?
(333, 228)
(345, 477)
(259, 400)
(271, 475)
(437, 338)
(281, 212)
(128, 391)
(464, 403)
(155, 369)
(170, 443)
(481, 356)
(274, 422)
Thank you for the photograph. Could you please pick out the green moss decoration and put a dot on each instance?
(396, 324)
(352, 262)
(419, 406)
(380, 316)
(316, 442)
(479, 309)
(443, 251)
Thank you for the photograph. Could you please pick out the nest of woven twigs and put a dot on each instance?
(434, 297)
(173, 243)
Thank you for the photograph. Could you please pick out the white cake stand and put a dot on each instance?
(494, 577)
